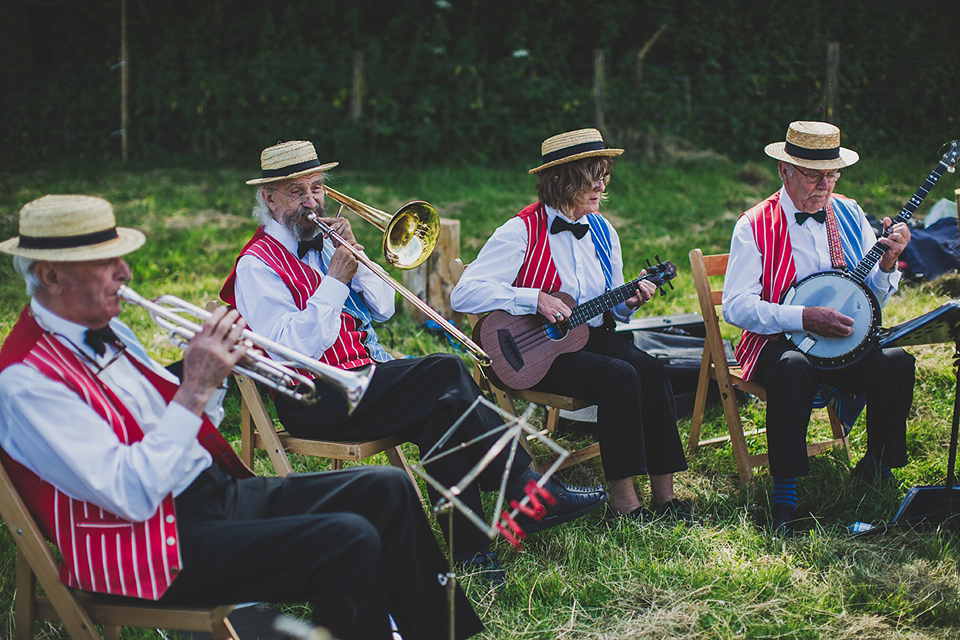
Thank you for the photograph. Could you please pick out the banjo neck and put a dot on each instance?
(876, 252)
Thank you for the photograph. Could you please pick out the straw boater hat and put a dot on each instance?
(289, 160)
(815, 145)
(68, 228)
(573, 145)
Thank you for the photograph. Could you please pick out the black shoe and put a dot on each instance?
(486, 566)
(868, 471)
(784, 519)
(640, 515)
(676, 510)
(572, 502)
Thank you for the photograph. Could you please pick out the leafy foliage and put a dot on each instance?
(465, 81)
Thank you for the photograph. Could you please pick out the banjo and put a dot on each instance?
(846, 292)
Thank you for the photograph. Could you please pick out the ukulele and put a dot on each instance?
(522, 348)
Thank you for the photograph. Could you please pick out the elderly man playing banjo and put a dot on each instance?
(124, 469)
(805, 230)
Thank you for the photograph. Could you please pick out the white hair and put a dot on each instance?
(261, 211)
(26, 267)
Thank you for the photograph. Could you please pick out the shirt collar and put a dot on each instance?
(554, 213)
(789, 209)
(53, 323)
(282, 235)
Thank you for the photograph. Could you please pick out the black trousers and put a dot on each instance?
(636, 414)
(886, 376)
(419, 399)
(355, 544)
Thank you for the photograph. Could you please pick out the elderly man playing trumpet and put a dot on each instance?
(316, 298)
(124, 469)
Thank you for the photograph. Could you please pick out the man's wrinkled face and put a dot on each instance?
(292, 200)
(83, 292)
(809, 189)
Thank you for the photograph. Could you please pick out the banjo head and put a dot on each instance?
(841, 292)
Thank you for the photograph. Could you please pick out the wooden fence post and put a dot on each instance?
(431, 281)
(356, 91)
(598, 90)
(124, 118)
(833, 64)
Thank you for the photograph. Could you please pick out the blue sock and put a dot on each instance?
(784, 492)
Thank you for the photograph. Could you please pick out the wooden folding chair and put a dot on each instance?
(714, 366)
(552, 403)
(79, 611)
(258, 431)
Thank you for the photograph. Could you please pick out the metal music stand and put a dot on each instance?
(936, 504)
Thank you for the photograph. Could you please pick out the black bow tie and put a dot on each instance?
(559, 224)
(305, 245)
(819, 216)
(97, 338)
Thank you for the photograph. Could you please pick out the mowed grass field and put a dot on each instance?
(594, 578)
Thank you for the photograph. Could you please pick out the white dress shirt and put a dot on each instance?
(266, 304)
(742, 305)
(488, 282)
(54, 433)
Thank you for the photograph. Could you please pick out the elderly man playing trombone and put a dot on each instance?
(124, 469)
(316, 298)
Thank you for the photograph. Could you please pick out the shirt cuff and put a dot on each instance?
(179, 423)
(527, 299)
(791, 317)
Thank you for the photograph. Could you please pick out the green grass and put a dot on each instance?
(594, 578)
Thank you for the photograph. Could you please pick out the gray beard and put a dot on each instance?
(292, 223)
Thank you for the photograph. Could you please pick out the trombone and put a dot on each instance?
(284, 375)
(409, 237)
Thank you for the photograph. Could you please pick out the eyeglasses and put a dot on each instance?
(605, 179)
(815, 178)
(300, 195)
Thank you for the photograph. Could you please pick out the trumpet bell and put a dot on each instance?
(411, 235)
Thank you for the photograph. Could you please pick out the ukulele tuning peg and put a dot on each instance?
(648, 263)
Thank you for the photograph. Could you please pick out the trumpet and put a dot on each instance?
(409, 238)
(285, 374)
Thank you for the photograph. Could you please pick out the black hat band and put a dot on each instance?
(67, 242)
(293, 168)
(574, 150)
(811, 154)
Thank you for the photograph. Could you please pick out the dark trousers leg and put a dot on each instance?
(419, 399)
(636, 415)
(353, 543)
(886, 376)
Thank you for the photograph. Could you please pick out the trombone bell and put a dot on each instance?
(411, 235)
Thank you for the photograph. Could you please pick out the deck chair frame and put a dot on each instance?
(714, 367)
(258, 431)
(552, 403)
(80, 611)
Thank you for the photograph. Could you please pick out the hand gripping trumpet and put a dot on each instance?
(282, 373)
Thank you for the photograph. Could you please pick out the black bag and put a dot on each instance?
(681, 352)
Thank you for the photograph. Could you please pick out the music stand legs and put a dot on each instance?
(938, 504)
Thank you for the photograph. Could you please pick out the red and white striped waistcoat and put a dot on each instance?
(538, 270)
(348, 352)
(770, 232)
(101, 551)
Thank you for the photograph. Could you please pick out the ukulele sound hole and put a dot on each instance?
(555, 331)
